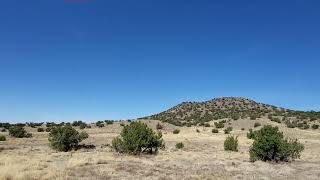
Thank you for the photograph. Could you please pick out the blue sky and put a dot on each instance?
(65, 61)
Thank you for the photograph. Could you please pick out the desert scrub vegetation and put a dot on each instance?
(256, 124)
(215, 131)
(179, 145)
(19, 132)
(65, 138)
(231, 143)
(2, 138)
(250, 134)
(40, 129)
(100, 124)
(159, 126)
(315, 126)
(176, 131)
(270, 145)
(228, 130)
(137, 138)
(219, 124)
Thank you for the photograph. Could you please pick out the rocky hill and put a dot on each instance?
(235, 108)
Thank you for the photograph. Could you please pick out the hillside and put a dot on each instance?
(198, 113)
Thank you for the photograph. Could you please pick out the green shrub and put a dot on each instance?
(219, 124)
(176, 131)
(100, 124)
(137, 138)
(250, 134)
(40, 129)
(270, 145)
(256, 124)
(215, 131)
(19, 132)
(159, 126)
(2, 138)
(315, 126)
(65, 138)
(179, 145)
(108, 122)
(82, 126)
(231, 143)
(206, 125)
(228, 130)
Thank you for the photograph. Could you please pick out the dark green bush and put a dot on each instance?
(176, 131)
(137, 138)
(108, 122)
(228, 130)
(40, 129)
(270, 145)
(231, 143)
(65, 138)
(19, 132)
(256, 124)
(315, 126)
(215, 131)
(2, 138)
(179, 145)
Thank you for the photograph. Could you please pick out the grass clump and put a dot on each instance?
(40, 129)
(179, 145)
(315, 126)
(215, 131)
(137, 138)
(231, 143)
(65, 138)
(270, 145)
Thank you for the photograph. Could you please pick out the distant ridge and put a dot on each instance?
(194, 113)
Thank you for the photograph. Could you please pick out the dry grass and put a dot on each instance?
(202, 158)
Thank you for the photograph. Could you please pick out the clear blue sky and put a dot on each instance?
(117, 59)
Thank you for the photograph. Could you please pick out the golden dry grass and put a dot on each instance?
(202, 158)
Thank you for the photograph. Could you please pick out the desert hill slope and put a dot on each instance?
(195, 113)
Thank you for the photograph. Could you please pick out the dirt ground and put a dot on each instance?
(203, 157)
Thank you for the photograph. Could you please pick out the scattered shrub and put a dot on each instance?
(219, 124)
(228, 130)
(100, 124)
(270, 145)
(198, 131)
(137, 138)
(122, 124)
(242, 129)
(159, 126)
(251, 134)
(82, 126)
(315, 126)
(40, 129)
(179, 145)
(206, 125)
(231, 143)
(3, 130)
(108, 122)
(65, 138)
(2, 138)
(215, 131)
(256, 124)
(176, 131)
(19, 132)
